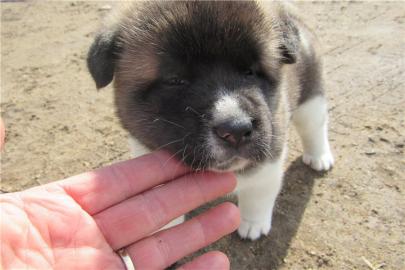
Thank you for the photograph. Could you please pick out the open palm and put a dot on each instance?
(80, 222)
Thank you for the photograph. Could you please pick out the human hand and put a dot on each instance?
(79, 222)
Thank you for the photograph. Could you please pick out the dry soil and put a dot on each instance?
(350, 218)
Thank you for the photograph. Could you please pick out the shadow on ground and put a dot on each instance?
(291, 203)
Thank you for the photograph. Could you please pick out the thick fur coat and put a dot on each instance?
(216, 84)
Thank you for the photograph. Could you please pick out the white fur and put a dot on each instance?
(215, 150)
(305, 42)
(228, 107)
(237, 164)
(225, 108)
(137, 149)
(311, 121)
(257, 193)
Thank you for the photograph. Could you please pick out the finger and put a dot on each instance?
(102, 188)
(166, 247)
(146, 213)
(210, 260)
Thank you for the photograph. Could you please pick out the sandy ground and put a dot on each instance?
(350, 218)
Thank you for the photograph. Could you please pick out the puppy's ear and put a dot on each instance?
(101, 59)
(289, 42)
(288, 54)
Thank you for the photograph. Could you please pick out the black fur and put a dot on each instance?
(176, 59)
(288, 55)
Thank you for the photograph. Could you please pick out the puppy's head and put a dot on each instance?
(199, 79)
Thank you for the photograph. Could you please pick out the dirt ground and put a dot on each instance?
(350, 218)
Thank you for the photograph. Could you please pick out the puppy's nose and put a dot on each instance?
(235, 132)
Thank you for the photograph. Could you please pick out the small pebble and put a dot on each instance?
(370, 152)
(384, 140)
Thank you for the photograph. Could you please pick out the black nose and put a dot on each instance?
(235, 132)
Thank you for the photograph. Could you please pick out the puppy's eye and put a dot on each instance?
(248, 72)
(176, 81)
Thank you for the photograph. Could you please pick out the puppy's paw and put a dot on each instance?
(254, 229)
(323, 162)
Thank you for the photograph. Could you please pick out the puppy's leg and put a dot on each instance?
(137, 150)
(257, 194)
(311, 121)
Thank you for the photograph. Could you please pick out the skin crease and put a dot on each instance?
(79, 222)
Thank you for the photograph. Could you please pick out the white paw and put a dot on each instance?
(254, 229)
(321, 162)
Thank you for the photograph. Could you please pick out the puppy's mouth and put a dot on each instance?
(231, 138)
(221, 154)
(205, 160)
(231, 165)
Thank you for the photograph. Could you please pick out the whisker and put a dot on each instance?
(172, 156)
(192, 163)
(182, 139)
(170, 122)
(265, 149)
(189, 108)
(205, 160)
(183, 160)
(201, 160)
(184, 151)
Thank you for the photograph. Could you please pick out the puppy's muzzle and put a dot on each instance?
(235, 132)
